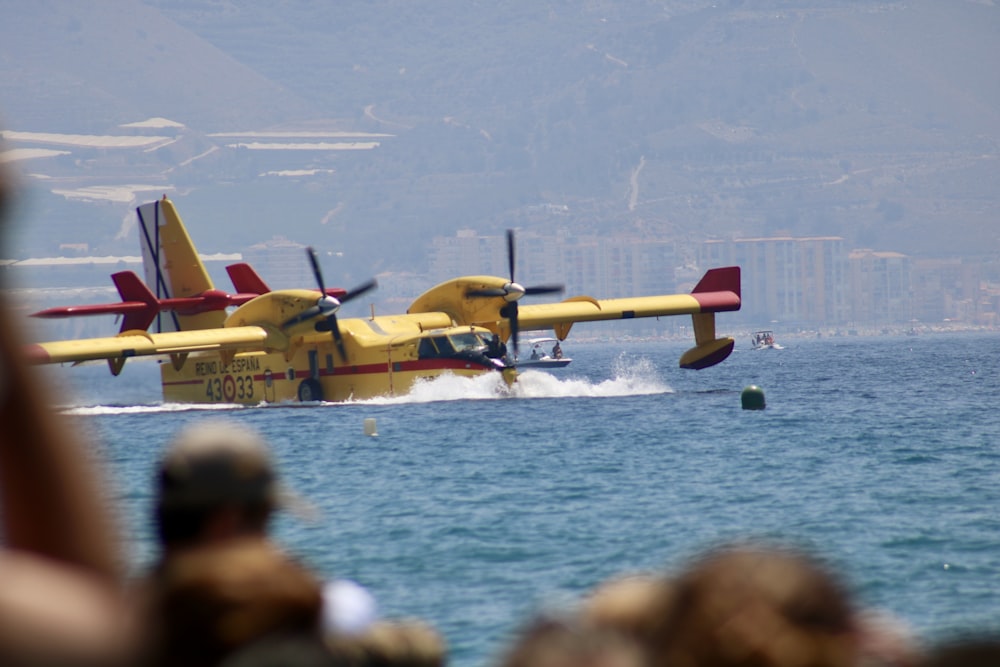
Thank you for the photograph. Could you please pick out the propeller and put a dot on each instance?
(327, 306)
(513, 291)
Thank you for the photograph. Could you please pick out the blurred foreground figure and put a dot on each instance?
(405, 643)
(60, 585)
(761, 606)
(219, 599)
(628, 605)
(221, 584)
(551, 642)
(215, 484)
(971, 651)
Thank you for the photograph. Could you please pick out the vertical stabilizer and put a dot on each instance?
(718, 291)
(172, 266)
(246, 280)
(133, 290)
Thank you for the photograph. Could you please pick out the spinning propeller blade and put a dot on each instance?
(544, 289)
(306, 314)
(317, 273)
(331, 321)
(359, 290)
(325, 304)
(512, 292)
(329, 306)
(510, 254)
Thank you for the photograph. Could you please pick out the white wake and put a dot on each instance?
(630, 376)
(90, 410)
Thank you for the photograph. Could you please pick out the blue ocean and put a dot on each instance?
(473, 508)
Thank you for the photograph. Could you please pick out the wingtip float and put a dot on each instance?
(287, 345)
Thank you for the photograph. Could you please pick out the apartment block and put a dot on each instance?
(795, 281)
(945, 289)
(603, 267)
(282, 263)
(881, 288)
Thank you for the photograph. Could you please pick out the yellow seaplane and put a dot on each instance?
(264, 346)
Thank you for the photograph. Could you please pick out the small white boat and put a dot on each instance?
(544, 353)
(764, 340)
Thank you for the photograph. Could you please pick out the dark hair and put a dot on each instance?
(184, 526)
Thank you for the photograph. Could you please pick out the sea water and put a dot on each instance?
(474, 508)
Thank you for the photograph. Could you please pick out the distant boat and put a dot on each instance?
(545, 353)
(764, 340)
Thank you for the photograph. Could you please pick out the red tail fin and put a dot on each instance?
(131, 288)
(725, 279)
(719, 290)
(246, 280)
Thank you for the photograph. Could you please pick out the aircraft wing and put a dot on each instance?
(717, 291)
(140, 343)
(586, 309)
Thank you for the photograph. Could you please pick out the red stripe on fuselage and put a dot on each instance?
(398, 367)
(366, 369)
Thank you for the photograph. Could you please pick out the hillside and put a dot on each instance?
(875, 121)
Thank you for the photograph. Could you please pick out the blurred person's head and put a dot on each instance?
(552, 642)
(215, 481)
(60, 597)
(757, 606)
(628, 604)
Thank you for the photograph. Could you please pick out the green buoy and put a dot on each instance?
(752, 398)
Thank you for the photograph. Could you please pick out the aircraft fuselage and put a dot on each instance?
(315, 371)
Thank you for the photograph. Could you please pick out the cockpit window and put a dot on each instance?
(427, 349)
(467, 341)
(443, 345)
(468, 345)
(435, 347)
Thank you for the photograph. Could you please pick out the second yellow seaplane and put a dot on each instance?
(288, 345)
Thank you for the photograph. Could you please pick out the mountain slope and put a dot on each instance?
(875, 121)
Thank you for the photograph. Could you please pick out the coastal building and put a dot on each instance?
(949, 289)
(282, 263)
(603, 267)
(795, 281)
(881, 288)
